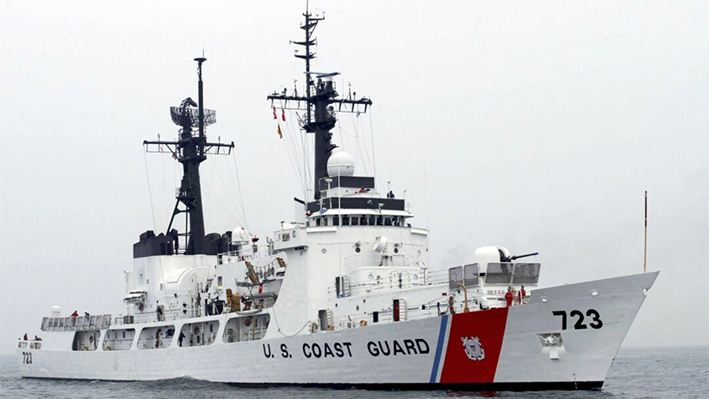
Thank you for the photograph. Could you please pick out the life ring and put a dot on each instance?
(91, 339)
(196, 330)
(247, 321)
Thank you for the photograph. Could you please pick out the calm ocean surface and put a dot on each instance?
(636, 373)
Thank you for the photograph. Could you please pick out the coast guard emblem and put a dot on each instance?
(473, 348)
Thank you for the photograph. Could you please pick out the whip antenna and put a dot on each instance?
(645, 246)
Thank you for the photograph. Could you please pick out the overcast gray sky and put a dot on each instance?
(532, 125)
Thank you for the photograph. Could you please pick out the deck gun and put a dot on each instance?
(515, 257)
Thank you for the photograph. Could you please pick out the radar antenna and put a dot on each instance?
(320, 94)
(190, 150)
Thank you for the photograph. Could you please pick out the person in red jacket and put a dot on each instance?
(509, 297)
(522, 294)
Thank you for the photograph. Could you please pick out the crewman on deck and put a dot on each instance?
(522, 294)
(509, 296)
(175, 239)
(233, 300)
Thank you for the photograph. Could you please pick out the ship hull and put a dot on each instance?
(566, 337)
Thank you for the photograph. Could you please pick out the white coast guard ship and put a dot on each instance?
(346, 296)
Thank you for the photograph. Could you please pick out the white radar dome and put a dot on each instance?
(239, 234)
(340, 163)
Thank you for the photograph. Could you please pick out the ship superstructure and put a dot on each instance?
(344, 296)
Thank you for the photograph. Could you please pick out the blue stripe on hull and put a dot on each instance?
(439, 348)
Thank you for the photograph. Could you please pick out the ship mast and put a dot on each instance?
(191, 150)
(320, 94)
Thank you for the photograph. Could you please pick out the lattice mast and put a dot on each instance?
(319, 116)
(191, 150)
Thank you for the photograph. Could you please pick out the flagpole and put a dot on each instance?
(645, 246)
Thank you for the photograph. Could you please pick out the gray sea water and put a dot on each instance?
(636, 373)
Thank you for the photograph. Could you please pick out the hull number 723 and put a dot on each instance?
(595, 322)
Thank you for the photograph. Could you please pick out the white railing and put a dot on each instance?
(33, 344)
(79, 323)
(411, 278)
(361, 261)
(436, 277)
(385, 316)
(245, 253)
(149, 317)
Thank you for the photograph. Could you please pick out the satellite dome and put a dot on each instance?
(239, 234)
(340, 163)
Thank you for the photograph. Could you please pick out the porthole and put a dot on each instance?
(396, 250)
(358, 308)
(324, 250)
(293, 233)
(358, 250)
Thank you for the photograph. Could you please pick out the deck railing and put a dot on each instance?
(76, 323)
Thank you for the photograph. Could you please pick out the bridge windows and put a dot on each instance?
(356, 220)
